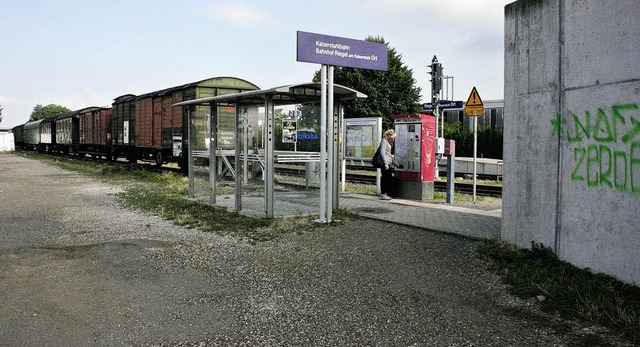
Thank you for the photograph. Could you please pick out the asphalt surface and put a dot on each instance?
(77, 269)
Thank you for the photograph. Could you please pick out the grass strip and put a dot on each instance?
(566, 289)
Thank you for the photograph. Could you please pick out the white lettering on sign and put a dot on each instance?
(336, 49)
(332, 45)
(325, 51)
(340, 50)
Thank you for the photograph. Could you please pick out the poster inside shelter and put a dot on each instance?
(289, 131)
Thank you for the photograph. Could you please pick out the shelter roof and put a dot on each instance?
(284, 95)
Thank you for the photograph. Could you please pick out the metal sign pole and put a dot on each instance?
(474, 107)
(335, 51)
(330, 144)
(475, 150)
(323, 143)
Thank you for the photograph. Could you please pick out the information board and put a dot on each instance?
(361, 137)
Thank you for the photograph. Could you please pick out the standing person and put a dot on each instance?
(386, 184)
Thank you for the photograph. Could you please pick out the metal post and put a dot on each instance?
(238, 160)
(213, 147)
(343, 161)
(436, 168)
(323, 143)
(337, 130)
(475, 146)
(245, 147)
(330, 144)
(451, 174)
(268, 157)
(190, 155)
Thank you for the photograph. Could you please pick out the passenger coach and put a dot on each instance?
(32, 135)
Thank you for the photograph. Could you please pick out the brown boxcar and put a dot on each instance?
(146, 127)
(122, 117)
(95, 131)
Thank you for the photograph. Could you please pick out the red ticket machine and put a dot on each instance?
(414, 152)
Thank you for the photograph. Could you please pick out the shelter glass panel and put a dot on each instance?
(297, 162)
(199, 185)
(249, 164)
(226, 127)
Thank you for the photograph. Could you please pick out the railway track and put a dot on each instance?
(358, 178)
(439, 186)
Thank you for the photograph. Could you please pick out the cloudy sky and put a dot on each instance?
(79, 53)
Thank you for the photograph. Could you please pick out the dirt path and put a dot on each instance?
(77, 270)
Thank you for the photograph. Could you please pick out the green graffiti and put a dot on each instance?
(635, 131)
(579, 126)
(557, 125)
(610, 154)
(620, 157)
(593, 157)
(598, 165)
(578, 152)
(605, 172)
(634, 160)
(603, 127)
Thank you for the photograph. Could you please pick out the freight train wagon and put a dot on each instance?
(94, 131)
(147, 127)
(84, 131)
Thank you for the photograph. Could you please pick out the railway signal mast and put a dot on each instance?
(436, 80)
(436, 87)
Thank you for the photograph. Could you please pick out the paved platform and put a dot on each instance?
(479, 221)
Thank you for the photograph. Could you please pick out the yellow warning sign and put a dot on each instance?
(474, 106)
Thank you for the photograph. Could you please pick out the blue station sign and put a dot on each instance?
(444, 104)
(339, 51)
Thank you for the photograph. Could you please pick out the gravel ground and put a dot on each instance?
(77, 269)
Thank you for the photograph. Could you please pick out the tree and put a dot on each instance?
(389, 92)
(44, 112)
(489, 140)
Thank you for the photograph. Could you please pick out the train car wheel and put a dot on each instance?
(159, 158)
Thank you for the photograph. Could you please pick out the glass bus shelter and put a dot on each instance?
(240, 143)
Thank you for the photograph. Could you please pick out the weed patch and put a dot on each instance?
(573, 292)
(164, 194)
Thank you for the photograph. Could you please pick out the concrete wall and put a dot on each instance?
(572, 138)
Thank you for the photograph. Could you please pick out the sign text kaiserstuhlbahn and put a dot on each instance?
(339, 51)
